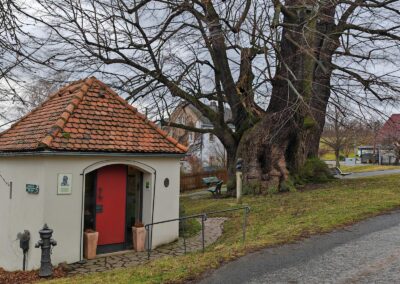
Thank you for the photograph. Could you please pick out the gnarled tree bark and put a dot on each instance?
(289, 133)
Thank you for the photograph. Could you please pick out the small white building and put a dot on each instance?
(85, 159)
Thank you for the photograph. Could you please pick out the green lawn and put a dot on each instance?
(367, 168)
(274, 219)
(330, 156)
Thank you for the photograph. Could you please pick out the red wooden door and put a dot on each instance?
(111, 204)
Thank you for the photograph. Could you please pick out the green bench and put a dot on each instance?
(214, 184)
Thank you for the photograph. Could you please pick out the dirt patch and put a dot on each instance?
(25, 277)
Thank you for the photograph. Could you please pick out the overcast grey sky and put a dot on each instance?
(12, 109)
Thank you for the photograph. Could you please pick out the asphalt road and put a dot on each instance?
(370, 174)
(368, 252)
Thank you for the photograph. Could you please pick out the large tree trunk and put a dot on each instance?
(231, 169)
(263, 150)
(319, 102)
(337, 157)
(290, 131)
(326, 43)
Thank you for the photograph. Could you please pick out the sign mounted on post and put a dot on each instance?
(64, 184)
(32, 188)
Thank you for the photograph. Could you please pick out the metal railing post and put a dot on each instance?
(244, 223)
(148, 242)
(184, 237)
(203, 218)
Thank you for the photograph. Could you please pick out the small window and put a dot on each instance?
(211, 160)
(190, 137)
(211, 137)
(182, 120)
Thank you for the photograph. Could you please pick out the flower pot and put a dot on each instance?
(90, 244)
(139, 238)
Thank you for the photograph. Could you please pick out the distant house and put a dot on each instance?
(205, 147)
(389, 140)
(368, 154)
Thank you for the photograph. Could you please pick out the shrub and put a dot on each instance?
(273, 189)
(188, 227)
(288, 186)
(251, 188)
(254, 188)
(314, 171)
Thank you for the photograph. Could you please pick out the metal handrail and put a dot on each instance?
(246, 211)
(203, 217)
(176, 219)
(149, 240)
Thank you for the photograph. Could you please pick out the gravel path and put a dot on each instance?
(368, 252)
(213, 228)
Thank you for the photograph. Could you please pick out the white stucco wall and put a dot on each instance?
(63, 213)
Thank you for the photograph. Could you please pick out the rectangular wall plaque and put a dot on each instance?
(64, 185)
(32, 188)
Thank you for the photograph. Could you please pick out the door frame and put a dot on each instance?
(143, 167)
(140, 217)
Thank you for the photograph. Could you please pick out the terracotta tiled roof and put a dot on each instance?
(87, 116)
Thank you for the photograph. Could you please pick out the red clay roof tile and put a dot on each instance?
(87, 116)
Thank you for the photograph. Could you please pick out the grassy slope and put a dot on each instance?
(273, 220)
(330, 155)
(367, 168)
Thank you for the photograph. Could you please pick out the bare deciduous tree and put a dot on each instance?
(20, 63)
(338, 133)
(275, 64)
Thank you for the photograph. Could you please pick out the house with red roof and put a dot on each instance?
(85, 160)
(389, 140)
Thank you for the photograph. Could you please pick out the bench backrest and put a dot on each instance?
(209, 180)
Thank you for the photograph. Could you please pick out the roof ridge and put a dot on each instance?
(66, 114)
(49, 97)
(73, 106)
(143, 117)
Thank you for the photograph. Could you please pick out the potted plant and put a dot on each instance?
(138, 236)
(90, 243)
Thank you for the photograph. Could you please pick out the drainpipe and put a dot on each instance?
(152, 209)
(81, 260)
(9, 184)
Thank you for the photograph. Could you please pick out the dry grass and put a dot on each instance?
(273, 220)
(367, 168)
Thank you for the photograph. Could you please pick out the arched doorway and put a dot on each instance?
(113, 204)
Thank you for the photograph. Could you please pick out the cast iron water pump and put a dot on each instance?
(46, 269)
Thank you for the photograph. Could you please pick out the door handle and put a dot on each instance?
(100, 193)
(99, 208)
